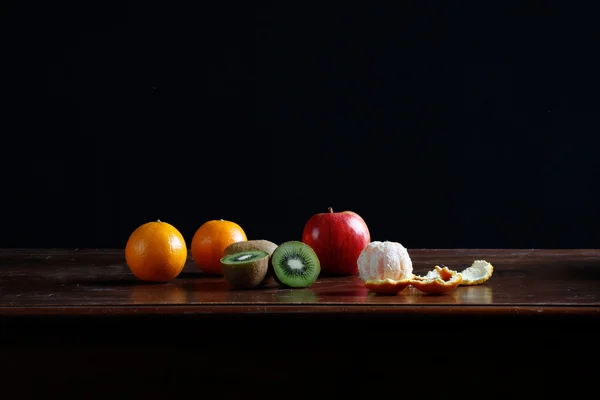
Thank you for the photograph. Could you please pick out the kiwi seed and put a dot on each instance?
(295, 264)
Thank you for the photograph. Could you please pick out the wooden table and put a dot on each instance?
(76, 319)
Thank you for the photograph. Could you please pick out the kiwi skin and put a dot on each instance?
(256, 244)
(245, 275)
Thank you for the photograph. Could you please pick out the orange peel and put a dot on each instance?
(479, 272)
(439, 280)
(387, 286)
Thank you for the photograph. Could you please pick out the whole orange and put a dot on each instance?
(211, 239)
(156, 252)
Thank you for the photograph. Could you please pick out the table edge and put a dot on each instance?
(345, 310)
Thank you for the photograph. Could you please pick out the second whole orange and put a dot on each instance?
(209, 243)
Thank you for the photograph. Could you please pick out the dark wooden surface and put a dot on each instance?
(76, 323)
(90, 281)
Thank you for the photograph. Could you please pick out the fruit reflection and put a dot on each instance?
(474, 294)
(295, 296)
(168, 293)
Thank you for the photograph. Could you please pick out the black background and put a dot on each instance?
(442, 125)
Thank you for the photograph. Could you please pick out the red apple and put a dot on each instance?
(337, 238)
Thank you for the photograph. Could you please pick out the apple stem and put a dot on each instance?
(330, 210)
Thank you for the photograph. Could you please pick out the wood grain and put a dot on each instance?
(75, 323)
(97, 281)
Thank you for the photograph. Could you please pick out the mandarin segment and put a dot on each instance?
(384, 260)
(385, 267)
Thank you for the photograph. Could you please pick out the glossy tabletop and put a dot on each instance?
(97, 281)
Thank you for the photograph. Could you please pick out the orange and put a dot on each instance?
(210, 240)
(156, 252)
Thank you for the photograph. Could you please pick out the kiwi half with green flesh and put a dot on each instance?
(246, 269)
(295, 264)
(256, 244)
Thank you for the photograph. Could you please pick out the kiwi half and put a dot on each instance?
(257, 244)
(246, 269)
(295, 264)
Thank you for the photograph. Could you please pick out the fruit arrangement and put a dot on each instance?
(332, 243)
(386, 268)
